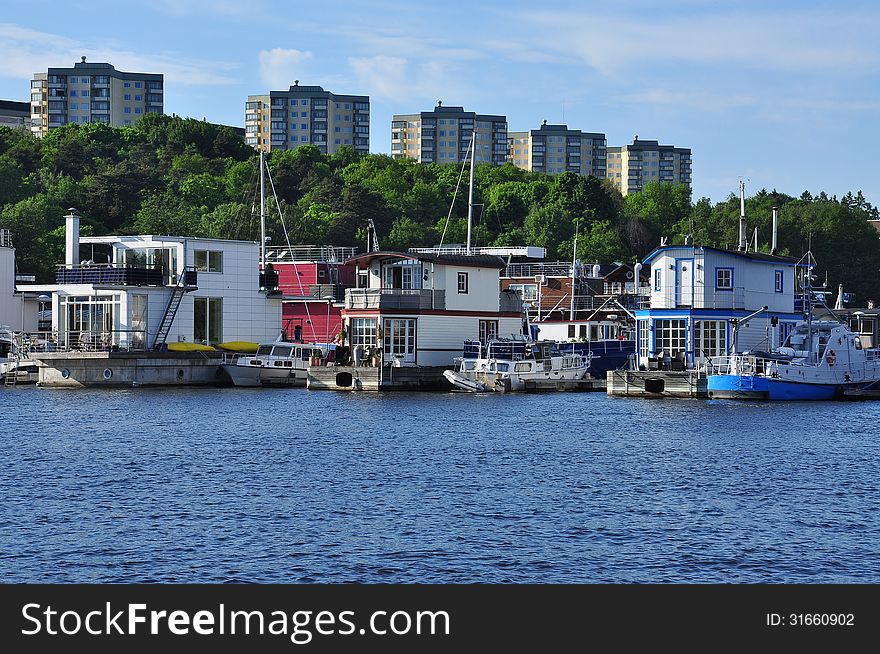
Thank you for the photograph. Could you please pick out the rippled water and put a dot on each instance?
(297, 486)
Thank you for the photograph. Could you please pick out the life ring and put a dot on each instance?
(831, 357)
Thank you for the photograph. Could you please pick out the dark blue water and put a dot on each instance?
(301, 486)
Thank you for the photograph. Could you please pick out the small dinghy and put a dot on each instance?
(465, 383)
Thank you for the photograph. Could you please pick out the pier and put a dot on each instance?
(384, 378)
(656, 383)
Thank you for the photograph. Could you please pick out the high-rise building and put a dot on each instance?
(632, 166)
(284, 120)
(557, 149)
(93, 93)
(444, 136)
(15, 114)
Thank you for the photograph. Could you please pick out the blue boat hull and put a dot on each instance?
(747, 387)
(607, 355)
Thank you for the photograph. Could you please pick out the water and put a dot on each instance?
(182, 485)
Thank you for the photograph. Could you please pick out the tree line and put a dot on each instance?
(178, 176)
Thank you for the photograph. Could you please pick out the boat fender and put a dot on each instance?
(831, 357)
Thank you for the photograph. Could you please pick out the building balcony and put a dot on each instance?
(394, 298)
(113, 275)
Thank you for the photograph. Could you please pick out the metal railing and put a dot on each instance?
(321, 253)
(109, 273)
(394, 298)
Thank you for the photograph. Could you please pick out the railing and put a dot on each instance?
(394, 298)
(111, 340)
(5, 238)
(555, 269)
(321, 253)
(109, 273)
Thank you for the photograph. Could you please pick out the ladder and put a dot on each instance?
(182, 288)
(10, 377)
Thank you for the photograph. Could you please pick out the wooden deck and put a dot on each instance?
(656, 383)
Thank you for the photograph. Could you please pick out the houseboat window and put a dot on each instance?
(208, 260)
(363, 279)
(92, 319)
(282, 351)
(403, 275)
(583, 329)
(208, 320)
(710, 338)
(164, 259)
(488, 330)
(643, 338)
(657, 273)
(522, 367)
(462, 282)
(571, 331)
(363, 332)
(264, 350)
(670, 336)
(724, 279)
(777, 277)
(528, 292)
(400, 338)
(138, 324)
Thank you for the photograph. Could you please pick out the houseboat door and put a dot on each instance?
(684, 282)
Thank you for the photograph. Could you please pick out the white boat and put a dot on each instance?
(820, 360)
(279, 363)
(517, 365)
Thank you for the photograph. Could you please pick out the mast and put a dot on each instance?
(262, 210)
(743, 239)
(573, 267)
(471, 192)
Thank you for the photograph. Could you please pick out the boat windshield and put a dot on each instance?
(512, 350)
(282, 351)
(264, 350)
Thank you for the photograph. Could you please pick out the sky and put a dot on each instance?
(784, 95)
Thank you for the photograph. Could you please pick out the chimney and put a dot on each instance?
(743, 242)
(71, 238)
(775, 218)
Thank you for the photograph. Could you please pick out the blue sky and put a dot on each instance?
(784, 94)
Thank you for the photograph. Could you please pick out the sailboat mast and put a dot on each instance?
(262, 210)
(471, 192)
(573, 267)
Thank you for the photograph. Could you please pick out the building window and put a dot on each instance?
(208, 260)
(572, 333)
(670, 337)
(462, 282)
(400, 339)
(644, 338)
(488, 330)
(778, 283)
(127, 96)
(138, 110)
(528, 292)
(363, 332)
(127, 85)
(126, 110)
(657, 274)
(137, 85)
(724, 279)
(710, 338)
(208, 320)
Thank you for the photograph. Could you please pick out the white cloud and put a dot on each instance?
(788, 41)
(25, 52)
(385, 77)
(279, 67)
(692, 99)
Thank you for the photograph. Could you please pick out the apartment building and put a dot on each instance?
(632, 166)
(15, 114)
(443, 135)
(557, 149)
(284, 120)
(93, 93)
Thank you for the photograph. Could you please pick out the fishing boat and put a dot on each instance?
(515, 365)
(279, 363)
(820, 360)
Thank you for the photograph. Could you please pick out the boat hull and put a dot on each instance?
(754, 387)
(255, 376)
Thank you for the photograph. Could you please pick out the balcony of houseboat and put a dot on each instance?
(395, 298)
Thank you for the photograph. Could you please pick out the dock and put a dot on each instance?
(656, 383)
(384, 378)
(77, 369)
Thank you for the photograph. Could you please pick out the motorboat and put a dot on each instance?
(515, 365)
(279, 363)
(820, 360)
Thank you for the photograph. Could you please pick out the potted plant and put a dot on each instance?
(376, 356)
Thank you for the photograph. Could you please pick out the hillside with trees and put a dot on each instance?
(170, 175)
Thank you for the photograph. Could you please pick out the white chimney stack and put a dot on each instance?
(71, 238)
(743, 239)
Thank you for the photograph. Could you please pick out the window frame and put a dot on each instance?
(721, 269)
(463, 277)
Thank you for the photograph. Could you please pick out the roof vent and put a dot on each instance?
(83, 59)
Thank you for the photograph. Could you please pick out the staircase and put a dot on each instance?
(19, 352)
(185, 283)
